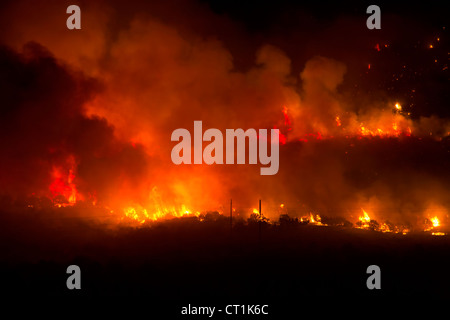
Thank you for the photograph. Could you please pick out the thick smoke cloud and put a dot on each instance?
(110, 96)
(44, 128)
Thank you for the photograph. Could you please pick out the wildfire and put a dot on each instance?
(63, 189)
(435, 222)
(141, 214)
(364, 220)
(64, 192)
(389, 227)
(312, 219)
(317, 220)
(257, 216)
(393, 131)
(133, 214)
(367, 223)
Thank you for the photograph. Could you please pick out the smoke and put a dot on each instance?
(44, 128)
(103, 102)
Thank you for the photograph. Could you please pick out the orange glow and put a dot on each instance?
(312, 219)
(63, 188)
(435, 222)
(317, 220)
(282, 138)
(287, 121)
(364, 220)
(394, 130)
(141, 215)
(365, 217)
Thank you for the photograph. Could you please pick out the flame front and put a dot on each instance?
(142, 215)
(364, 220)
(435, 222)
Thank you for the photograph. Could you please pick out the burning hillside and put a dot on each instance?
(361, 118)
(96, 128)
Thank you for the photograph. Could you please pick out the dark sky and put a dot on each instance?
(259, 15)
(302, 28)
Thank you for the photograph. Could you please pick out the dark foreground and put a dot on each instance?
(184, 261)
